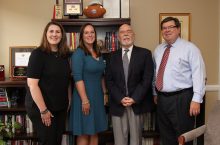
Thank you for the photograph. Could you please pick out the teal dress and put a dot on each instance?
(90, 70)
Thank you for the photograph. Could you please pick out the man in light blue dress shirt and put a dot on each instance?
(183, 83)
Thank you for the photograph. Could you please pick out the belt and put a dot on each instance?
(175, 92)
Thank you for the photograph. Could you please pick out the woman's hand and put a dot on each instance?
(86, 107)
(46, 118)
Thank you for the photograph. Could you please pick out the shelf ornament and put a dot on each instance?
(94, 9)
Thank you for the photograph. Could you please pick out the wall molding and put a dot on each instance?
(212, 88)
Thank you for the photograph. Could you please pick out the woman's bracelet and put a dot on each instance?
(105, 93)
(85, 102)
(44, 112)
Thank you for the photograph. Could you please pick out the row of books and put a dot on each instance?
(24, 120)
(22, 142)
(150, 141)
(67, 139)
(4, 102)
(110, 43)
(72, 40)
(8, 99)
(150, 121)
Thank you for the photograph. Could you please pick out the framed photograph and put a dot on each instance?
(73, 7)
(184, 19)
(19, 57)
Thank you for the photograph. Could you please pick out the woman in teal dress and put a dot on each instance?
(87, 115)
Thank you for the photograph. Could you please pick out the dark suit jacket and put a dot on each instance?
(140, 77)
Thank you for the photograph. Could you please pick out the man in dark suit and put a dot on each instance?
(129, 76)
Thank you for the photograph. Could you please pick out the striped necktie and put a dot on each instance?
(125, 67)
(159, 79)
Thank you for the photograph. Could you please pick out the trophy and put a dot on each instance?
(2, 73)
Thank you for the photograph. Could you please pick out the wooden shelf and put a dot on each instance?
(101, 22)
(16, 109)
(10, 83)
(22, 136)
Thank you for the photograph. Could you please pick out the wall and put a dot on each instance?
(22, 23)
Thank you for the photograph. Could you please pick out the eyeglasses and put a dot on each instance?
(126, 32)
(168, 28)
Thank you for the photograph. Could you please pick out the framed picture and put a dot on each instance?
(184, 19)
(73, 8)
(19, 57)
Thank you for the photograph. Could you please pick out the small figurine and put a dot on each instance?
(101, 46)
(2, 73)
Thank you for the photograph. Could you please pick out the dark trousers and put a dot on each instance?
(173, 115)
(49, 135)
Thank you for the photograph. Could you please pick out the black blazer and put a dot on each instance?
(140, 76)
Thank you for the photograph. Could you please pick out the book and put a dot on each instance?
(3, 99)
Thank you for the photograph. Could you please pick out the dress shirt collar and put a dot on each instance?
(130, 49)
(129, 52)
(173, 44)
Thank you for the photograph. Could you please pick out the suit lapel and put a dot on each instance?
(119, 60)
(132, 61)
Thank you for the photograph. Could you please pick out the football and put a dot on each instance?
(94, 11)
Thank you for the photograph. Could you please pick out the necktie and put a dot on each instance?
(125, 67)
(159, 80)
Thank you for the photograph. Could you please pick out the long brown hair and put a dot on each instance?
(81, 42)
(63, 49)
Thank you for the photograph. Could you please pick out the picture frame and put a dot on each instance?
(184, 19)
(73, 8)
(18, 61)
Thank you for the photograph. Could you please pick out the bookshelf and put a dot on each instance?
(16, 111)
(104, 27)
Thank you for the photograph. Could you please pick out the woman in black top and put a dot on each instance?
(48, 85)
